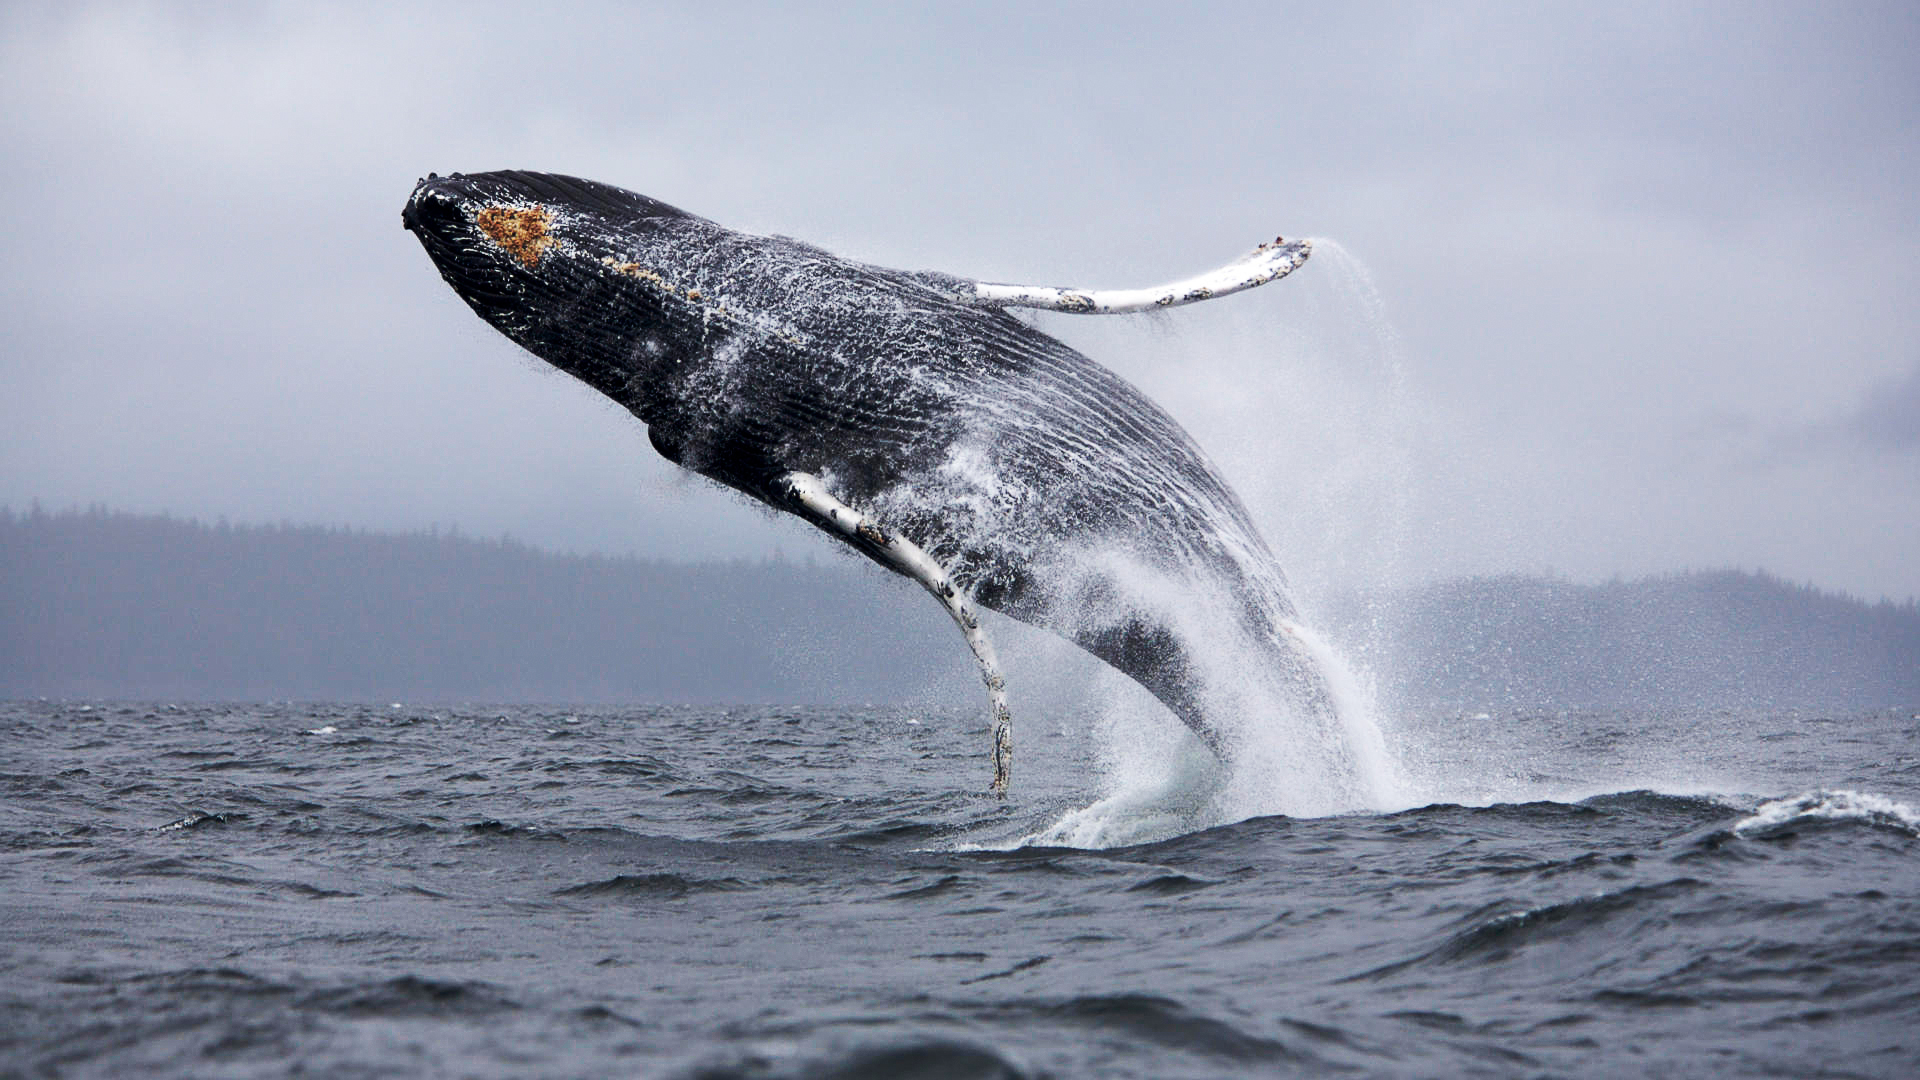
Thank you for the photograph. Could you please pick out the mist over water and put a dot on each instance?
(1303, 407)
(1304, 402)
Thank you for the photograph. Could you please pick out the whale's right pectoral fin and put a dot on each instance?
(1268, 262)
(810, 497)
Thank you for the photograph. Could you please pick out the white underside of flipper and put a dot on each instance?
(1268, 262)
(810, 495)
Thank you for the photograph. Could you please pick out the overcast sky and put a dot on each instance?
(1620, 290)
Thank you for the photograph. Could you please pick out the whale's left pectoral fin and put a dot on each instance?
(810, 497)
(1268, 262)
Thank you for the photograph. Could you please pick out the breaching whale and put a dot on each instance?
(907, 414)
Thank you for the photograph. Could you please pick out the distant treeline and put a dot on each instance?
(111, 605)
(101, 604)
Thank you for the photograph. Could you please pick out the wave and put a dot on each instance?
(1829, 807)
(1149, 1019)
(1177, 813)
(1489, 939)
(412, 995)
(935, 1059)
(1183, 807)
(665, 886)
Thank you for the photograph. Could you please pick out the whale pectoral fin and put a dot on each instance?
(1268, 262)
(806, 494)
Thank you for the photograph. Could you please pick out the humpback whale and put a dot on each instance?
(907, 414)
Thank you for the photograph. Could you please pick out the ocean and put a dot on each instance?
(404, 890)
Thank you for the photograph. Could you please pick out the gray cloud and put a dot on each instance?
(1592, 231)
(1889, 417)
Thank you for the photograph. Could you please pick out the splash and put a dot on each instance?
(1159, 781)
(1831, 806)
(1027, 475)
(1312, 418)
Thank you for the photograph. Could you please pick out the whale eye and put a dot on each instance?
(520, 230)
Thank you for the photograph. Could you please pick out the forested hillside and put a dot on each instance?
(101, 604)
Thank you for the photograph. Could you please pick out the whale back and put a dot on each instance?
(1050, 488)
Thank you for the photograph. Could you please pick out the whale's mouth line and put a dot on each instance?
(476, 274)
(477, 241)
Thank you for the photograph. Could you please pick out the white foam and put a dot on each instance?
(1179, 800)
(1837, 805)
(1330, 482)
(1381, 785)
(1284, 758)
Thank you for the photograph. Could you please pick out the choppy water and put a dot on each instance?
(221, 890)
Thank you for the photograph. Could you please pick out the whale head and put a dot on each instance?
(548, 260)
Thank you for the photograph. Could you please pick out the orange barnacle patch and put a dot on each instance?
(522, 231)
(632, 269)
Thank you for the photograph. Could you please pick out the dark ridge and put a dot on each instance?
(947, 884)
(932, 1060)
(1025, 965)
(1496, 937)
(1170, 885)
(1157, 1020)
(1492, 934)
(895, 832)
(600, 1014)
(95, 604)
(665, 886)
(107, 605)
(412, 995)
(1656, 805)
(198, 819)
(226, 981)
(638, 766)
(1644, 999)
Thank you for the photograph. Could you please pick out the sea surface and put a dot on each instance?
(271, 890)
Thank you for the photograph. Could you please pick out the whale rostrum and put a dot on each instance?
(906, 414)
